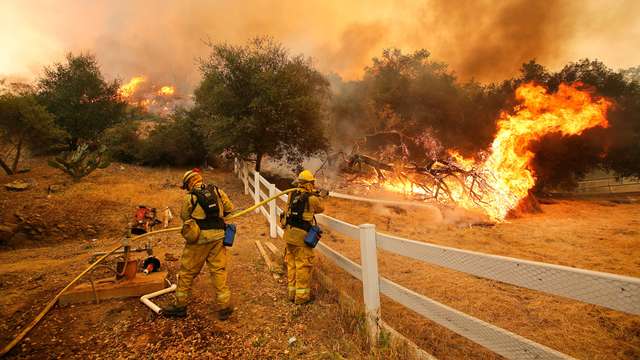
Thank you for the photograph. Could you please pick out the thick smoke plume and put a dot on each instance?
(487, 40)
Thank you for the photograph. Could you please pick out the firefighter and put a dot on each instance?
(296, 221)
(207, 205)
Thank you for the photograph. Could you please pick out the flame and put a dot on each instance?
(129, 88)
(166, 90)
(569, 111)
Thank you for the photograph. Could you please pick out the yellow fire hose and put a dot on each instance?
(53, 301)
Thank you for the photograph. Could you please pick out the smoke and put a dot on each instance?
(487, 40)
(495, 38)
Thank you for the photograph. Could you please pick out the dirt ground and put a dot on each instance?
(66, 227)
(63, 228)
(598, 235)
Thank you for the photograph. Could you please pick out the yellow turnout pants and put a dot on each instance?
(194, 256)
(299, 261)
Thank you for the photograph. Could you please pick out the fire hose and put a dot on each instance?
(53, 301)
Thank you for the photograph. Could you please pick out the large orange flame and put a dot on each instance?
(126, 90)
(507, 169)
(166, 90)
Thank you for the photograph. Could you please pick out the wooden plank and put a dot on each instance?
(370, 284)
(340, 260)
(267, 260)
(278, 255)
(339, 226)
(274, 249)
(111, 289)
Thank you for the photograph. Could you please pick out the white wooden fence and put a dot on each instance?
(616, 292)
(608, 185)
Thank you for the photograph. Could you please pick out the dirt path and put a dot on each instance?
(261, 326)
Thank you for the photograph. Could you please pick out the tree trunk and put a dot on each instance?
(14, 167)
(528, 205)
(258, 161)
(5, 167)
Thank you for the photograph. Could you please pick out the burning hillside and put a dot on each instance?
(138, 91)
(499, 180)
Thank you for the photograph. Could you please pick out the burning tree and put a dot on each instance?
(497, 182)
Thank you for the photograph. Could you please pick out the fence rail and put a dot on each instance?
(609, 290)
(613, 291)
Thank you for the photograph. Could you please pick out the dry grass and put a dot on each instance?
(101, 205)
(574, 233)
(260, 327)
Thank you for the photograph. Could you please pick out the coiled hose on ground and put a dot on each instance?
(53, 301)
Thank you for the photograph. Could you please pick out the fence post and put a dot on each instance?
(273, 213)
(256, 188)
(245, 178)
(370, 280)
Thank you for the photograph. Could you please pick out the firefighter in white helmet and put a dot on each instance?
(297, 220)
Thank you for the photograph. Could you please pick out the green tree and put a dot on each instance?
(409, 94)
(23, 123)
(632, 73)
(259, 100)
(123, 141)
(83, 103)
(178, 142)
(617, 147)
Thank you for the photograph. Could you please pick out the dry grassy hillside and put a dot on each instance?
(598, 235)
(66, 227)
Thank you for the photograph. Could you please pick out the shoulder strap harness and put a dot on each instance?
(210, 200)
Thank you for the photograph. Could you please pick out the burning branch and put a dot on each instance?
(430, 180)
(495, 184)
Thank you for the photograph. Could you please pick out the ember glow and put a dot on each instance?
(506, 169)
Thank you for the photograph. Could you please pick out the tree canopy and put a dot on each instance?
(419, 98)
(410, 96)
(23, 123)
(259, 100)
(82, 102)
(560, 161)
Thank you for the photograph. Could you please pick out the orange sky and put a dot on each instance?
(487, 40)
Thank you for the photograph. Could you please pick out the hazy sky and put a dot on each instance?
(484, 39)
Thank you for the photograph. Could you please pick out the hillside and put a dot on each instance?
(91, 216)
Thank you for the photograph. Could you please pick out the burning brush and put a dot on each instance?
(499, 181)
(158, 99)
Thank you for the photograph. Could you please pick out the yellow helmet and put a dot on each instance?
(306, 176)
(191, 174)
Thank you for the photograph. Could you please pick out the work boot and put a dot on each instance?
(224, 314)
(174, 311)
(300, 301)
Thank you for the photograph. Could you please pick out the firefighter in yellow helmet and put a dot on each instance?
(207, 205)
(296, 221)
